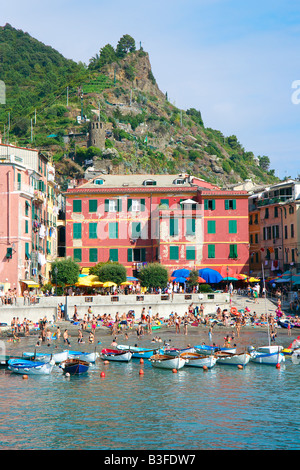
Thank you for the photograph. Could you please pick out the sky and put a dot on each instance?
(235, 61)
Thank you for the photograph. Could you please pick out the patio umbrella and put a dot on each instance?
(181, 273)
(210, 275)
(229, 279)
(131, 278)
(126, 283)
(109, 284)
(180, 279)
(253, 279)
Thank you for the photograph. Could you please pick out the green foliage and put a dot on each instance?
(195, 115)
(126, 44)
(205, 288)
(154, 275)
(67, 272)
(110, 272)
(264, 162)
(193, 278)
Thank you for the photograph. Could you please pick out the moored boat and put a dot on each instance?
(226, 358)
(47, 357)
(28, 367)
(74, 366)
(116, 355)
(271, 355)
(85, 356)
(198, 360)
(177, 351)
(138, 352)
(163, 361)
(208, 349)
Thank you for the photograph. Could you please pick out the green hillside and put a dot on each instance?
(45, 94)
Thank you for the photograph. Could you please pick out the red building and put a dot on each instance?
(177, 220)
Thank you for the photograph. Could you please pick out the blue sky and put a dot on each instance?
(235, 61)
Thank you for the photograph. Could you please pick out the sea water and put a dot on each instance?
(221, 408)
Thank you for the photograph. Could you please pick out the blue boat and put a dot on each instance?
(74, 366)
(27, 367)
(207, 349)
(140, 353)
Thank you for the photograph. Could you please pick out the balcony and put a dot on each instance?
(38, 196)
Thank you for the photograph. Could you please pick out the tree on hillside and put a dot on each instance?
(126, 44)
(107, 55)
(264, 162)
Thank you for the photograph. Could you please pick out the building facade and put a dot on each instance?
(177, 220)
(28, 217)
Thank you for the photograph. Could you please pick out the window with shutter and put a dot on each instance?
(232, 226)
(211, 251)
(93, 255)
(113, 254)
(77, 255)
(92, 230)
(77, 205)
(174, 252)
(211, 226)
(76, 231)
(190, 253)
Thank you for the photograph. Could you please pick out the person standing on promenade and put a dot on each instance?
(66, 337)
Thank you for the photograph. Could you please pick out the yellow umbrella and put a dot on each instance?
(109, 284)
(253, 279)
(88, 281)
(126, 283)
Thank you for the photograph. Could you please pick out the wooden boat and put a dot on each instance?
(74, 366)
(271, 355)
(27, 367)
(4, 360)
(207, 349)
(163, 361)
(194, 359)
(116, 355)
(85, 356)
(285, 324)
(47, 357)
(226, 358)
(177, 351)
(138, 352)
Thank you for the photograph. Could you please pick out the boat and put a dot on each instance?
(194, 359)
(207, 349)
(74, 366)
(28, 367)
(116, 355)
(237, 359)
(285, 323)
(4, 360)
(164, 361)
(138, 352)
(177, 351)
(47, 357)
(85, 356)
(271, 355)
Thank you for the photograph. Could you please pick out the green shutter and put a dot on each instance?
(93, 205)
(190, 226)
(226, 204)
(211, 251)
(205, 204)
(143, 205)
(143, 254)
(119, 205)
(232, 226)
(173, 227)
(113, 230)
(93, 255)
(174, 253)
(76, 231)
(233, 204)
(106, 205)
(113, 254)
(77, 205)
(211, 226)
(233, 251)
(77, 256)
(136, 230)
(190, 253)
(129, 205)
(129, 254)
(92, 230)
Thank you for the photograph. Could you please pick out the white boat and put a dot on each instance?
(225, 358)
(84, 356)
(177, 351)
(47, 357)
(116, 355)
(163, 361)
(27, 367)
(198, 360)
(267, 355)
(207, 349)
(138, 352)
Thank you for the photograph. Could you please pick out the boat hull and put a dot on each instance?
(177, 351)
(233, 359)
(271, 355)
(206, 349)
(199, 360)
(161, 361)
(74, 366)
(26, 367)
(139, 353)
(56, 357)
(88, 357)
(116, 355)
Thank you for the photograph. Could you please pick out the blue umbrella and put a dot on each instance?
(131, 278)
(181, 273)
(210, 275)
(179, 279)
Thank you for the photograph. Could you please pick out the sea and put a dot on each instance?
(223, 408)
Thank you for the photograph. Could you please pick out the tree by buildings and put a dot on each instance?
(154, 275)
